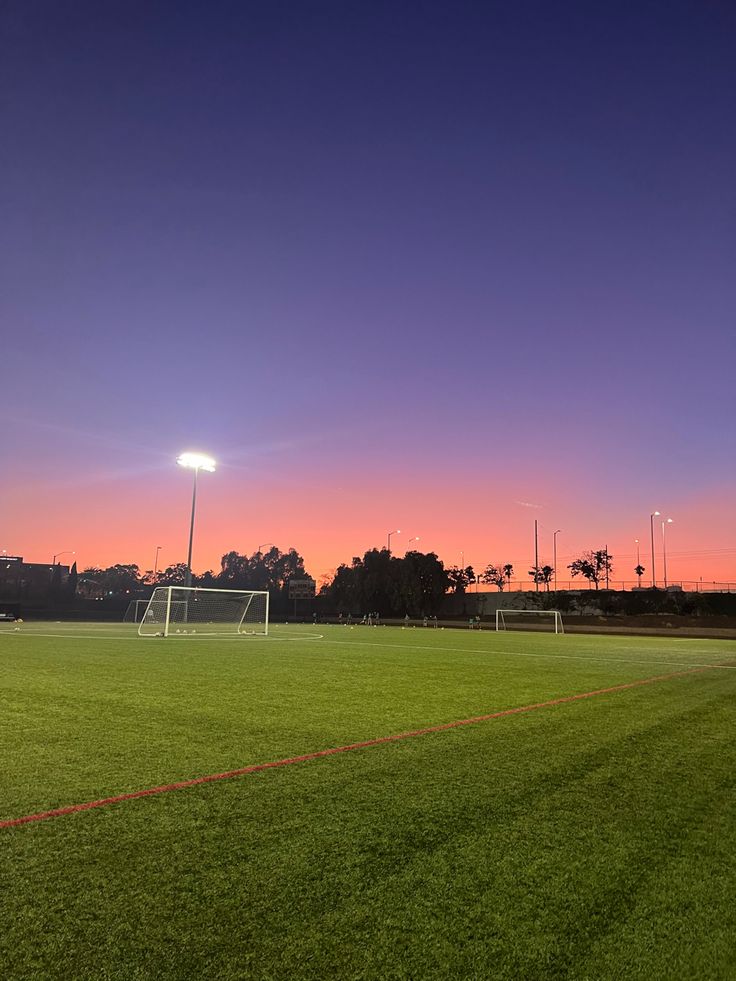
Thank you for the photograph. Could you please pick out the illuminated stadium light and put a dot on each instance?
(195, 462)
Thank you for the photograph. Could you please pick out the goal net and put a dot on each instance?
(178, 610)
(137, 609)
(530, 620)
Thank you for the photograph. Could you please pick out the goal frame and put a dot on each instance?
(135, 606)
(555, 614)
(139, 605)
(237, 626)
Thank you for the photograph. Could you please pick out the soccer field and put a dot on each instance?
(590, 834)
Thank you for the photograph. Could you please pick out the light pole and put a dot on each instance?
(554, 553)
(415, 539)
(270, 545)
(652, 516)
(155, 563)
(195, 462)
(397, 532)
(664, 549)
(638, 561)
(67, 551)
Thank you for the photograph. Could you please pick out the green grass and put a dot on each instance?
(588, 840)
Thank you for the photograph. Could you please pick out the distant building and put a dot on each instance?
(29, 580)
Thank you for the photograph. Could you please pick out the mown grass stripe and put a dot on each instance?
(332, 751)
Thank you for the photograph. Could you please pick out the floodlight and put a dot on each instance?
(397, 532)
(197, 461)
(652, 516)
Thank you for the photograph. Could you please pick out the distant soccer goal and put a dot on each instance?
(182, 610)
(530, 620)
(137, 609)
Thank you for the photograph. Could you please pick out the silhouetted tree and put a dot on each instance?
(536, 575)
(496, 575)
(71, 583)
(460, 579)
(173, 575)
(593, 566)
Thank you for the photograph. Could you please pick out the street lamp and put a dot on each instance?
(67, 551)
(415, 539)
(638, 561)
(195, 462)
(155, 563)
(554, 553)
(397, 532)
(652, 516)
(265, 544)
(664, 549)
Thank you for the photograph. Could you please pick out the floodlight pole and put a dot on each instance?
(155, 563)
(195, 462)
(651, 531)
(536, 558)
(554, 553)
(664, 549)
(191, 528)
(388, 546)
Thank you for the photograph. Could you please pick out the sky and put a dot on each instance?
(448, 268)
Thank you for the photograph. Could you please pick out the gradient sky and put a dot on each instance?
(443, 267)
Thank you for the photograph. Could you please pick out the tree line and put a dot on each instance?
(378, 581)
(271, 570)
(595, 566)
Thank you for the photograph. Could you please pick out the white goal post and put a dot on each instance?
(186, 610)
(522, 619)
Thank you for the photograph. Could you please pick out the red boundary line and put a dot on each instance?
(306, 757)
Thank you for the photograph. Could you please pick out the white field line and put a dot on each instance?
(567, 657)
(101, 635)
(100, 632)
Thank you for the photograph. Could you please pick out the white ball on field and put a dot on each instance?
(19, 620)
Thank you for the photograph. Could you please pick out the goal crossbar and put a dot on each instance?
(555, 615)
(186, 610)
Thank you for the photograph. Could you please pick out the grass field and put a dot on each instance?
(588, 839)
